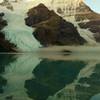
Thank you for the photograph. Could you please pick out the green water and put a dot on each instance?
(42, 77)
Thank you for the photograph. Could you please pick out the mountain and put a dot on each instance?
(51, 29)
(84, 18)
(93, 23)
(85, 21)
(79, 25)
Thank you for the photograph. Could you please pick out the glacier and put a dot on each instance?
(16, 31)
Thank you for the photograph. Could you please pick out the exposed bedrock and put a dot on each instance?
(5, 45)
(51, 29)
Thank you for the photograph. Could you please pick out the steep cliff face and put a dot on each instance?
(81, 15)
(5, 45)
(51, 29)
(77, 13)
(93, 21)
(63, 22)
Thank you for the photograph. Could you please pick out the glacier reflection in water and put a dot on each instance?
(49, 76)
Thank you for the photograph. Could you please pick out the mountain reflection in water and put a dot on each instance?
(49, 77)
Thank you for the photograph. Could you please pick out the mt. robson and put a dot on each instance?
(77, 17)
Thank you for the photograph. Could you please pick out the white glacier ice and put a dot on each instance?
(16, 31)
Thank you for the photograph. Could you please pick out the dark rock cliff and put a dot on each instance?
(5, 45)
(51, 29)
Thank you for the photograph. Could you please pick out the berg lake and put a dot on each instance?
(50, 76)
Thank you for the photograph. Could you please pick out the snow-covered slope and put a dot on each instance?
(16, 31)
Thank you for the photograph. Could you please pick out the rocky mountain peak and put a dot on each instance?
(52, 29)
(66, 7)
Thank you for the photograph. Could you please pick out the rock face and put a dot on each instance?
(81, 15)
(5, 45)
(93, 23)
(51, 29)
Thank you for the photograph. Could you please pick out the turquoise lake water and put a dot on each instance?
(49, 76)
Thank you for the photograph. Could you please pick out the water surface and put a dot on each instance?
(50, 76)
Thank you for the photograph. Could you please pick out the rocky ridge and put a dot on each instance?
(51, 29)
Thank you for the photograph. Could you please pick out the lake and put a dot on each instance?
(50, 76)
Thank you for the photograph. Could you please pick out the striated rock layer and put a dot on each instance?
(93, 20)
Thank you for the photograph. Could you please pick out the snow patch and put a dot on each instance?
(85, 33)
